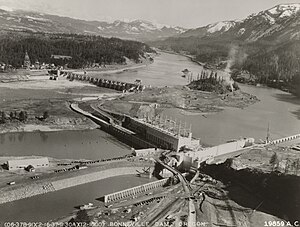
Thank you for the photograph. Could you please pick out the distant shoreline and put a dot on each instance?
(192, 58)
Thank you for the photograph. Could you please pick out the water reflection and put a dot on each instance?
(87, 144)
(43, 136)
(21, 136)
(2, 138)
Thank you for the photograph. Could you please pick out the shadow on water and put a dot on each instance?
(286, 97)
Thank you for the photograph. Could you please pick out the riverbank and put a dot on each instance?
(59, 124)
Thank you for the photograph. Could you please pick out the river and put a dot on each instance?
(278, 109)
(86, 144)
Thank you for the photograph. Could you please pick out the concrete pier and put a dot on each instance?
(133, 191)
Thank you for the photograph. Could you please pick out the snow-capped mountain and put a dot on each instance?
(138, 29)
(35, 22)
(211, 29)
(281, 22)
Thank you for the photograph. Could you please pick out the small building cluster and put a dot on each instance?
(28, 164)
(5, 67)
(27, 64)
(149, 152)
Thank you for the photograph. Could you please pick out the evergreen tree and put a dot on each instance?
(274, 161)
(81, 217)
(22, 116)
(45, 115)
(2, 117)
(11, 115)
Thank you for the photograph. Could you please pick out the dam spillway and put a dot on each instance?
(101, 82)
(116, 196)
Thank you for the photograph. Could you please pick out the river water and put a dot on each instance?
(86, 144)
(278, 109)
(50, 206)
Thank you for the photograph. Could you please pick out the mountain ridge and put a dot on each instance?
(263, 46)
(141, 30)
(284, 18)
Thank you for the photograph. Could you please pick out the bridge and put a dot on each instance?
(101, 82)
(191, 220)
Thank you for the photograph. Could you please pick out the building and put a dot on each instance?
(149, 152)
(186, 161)
(27, 62)
(62, 57)
(166, 135)
(24, 163)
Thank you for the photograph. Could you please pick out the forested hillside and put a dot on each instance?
(277, 65)
(262, 48)
(84, 50)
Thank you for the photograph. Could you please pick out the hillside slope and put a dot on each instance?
(84, 51)
(36, 22)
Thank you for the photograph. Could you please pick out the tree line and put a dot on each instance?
(21, 116)
(211, 82)
(84, 50)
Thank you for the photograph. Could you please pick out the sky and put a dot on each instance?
(185, 13)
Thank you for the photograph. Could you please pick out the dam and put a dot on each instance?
(101, 82)
(141, 134)
(116, 196)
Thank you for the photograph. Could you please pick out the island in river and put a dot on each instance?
(188, 100)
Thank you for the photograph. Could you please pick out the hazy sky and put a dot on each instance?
(186, 13)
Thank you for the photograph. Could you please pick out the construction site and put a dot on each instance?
(191, 189)
(188, 184)
(212, 195)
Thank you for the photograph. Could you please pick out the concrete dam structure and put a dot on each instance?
(285, 139)
(116, 196)
(116, 130)
(163, 136)
(101, 82)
